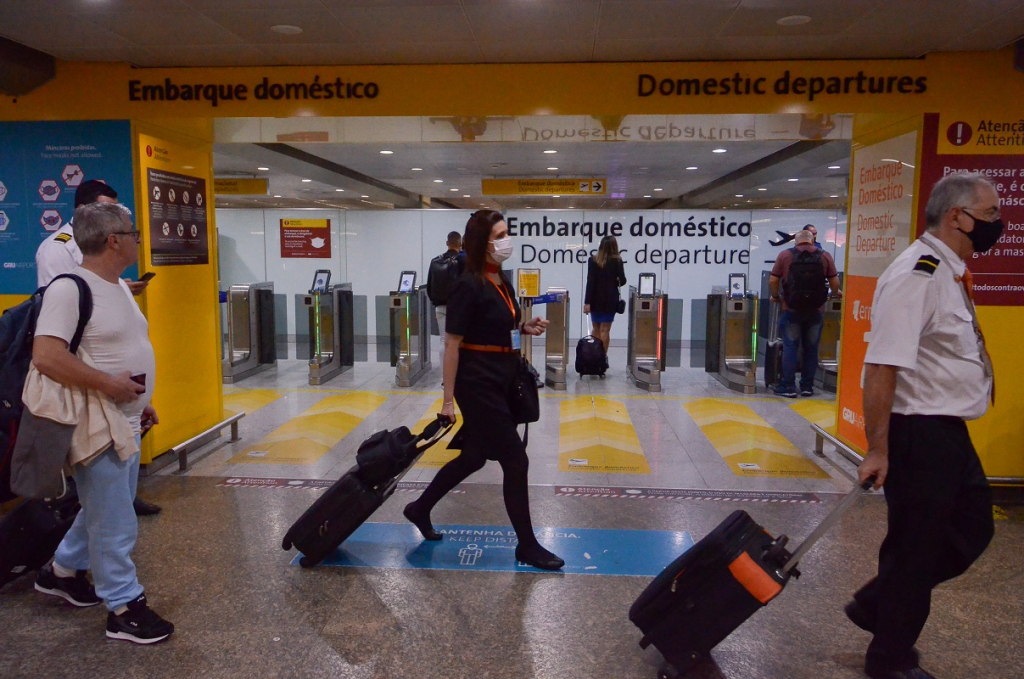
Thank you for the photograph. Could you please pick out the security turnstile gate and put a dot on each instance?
(250, 346)
(410, 335)
(827, 378)
(331, 338)
(556, 344)
(646, 339)
(732, 337)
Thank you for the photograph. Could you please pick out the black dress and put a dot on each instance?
(478, 313)
(603, 285)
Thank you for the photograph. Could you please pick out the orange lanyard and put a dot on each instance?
(506, 298)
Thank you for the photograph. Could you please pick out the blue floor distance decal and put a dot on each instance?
(588, 551)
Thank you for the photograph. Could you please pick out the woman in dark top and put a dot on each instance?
(605, 276)
(480, 362)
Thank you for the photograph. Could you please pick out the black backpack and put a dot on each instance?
(805, 287)
(444, 270)
(17, 330)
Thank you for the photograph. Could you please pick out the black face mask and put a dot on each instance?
(985, 234)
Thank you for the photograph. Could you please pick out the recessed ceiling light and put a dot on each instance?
(794, 20)
(364, 196)
(556, 196)
(739, 195)
(286, 29)
(339, 190)
(646, 196)
(552, 168)
(277, 196)
(692, 167)
(439, 181)
(483, 204)
(658, 189)
(465, 195)
(453, 190)
(551, 151)
(833, 196)
(386, 153)
(719, 151)
(762, 189)
(834, 167)
(307, 180)
(792, 179)
(416, 169)
(261, 169)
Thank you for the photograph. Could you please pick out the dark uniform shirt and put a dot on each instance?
(477, 312)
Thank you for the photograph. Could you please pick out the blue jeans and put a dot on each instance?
(799, 329)
(104, 532)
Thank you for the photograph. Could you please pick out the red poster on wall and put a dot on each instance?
(999, 273)
(306, 238)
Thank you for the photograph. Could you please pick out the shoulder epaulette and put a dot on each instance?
(927, 264)
(63, 238)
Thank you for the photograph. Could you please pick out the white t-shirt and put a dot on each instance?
(57, 254)
(116, 337)
(921, 324)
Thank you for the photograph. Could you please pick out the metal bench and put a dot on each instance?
(821, 435)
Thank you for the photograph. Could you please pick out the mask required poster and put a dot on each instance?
(177, 218)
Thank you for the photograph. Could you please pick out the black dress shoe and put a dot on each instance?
(143, 508)
(422, 523)
(538, 557)
(859, 616)
(912, 673)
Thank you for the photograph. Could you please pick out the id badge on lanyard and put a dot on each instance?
(516, 342)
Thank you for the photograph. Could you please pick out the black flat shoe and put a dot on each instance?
(143, 508)
(423, 524)
(912, 673)
(538, 557)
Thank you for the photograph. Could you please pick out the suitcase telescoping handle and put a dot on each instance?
(433, 432)
(827, 524)
(774, 311)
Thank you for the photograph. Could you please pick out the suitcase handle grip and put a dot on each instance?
(434, 432)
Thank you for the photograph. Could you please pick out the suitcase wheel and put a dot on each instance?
(306, 562)
(668, 672)
(286, 544)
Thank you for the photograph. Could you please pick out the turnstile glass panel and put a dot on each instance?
(240, 334)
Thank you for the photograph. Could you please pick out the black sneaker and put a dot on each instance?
(785, 393)
(77, 590)
(807, 392)
(139, 624)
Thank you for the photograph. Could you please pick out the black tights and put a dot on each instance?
(514, 466)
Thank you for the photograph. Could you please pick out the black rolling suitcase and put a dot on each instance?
(709, 591)
(590, 356)
(773, 348)
(382, 461)
(30, 533)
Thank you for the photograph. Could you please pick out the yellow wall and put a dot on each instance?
(181, 303)
(8, 301)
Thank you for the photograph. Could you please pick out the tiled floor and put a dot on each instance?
(212, 561)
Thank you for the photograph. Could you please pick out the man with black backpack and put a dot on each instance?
(802, 272)
(444, 270)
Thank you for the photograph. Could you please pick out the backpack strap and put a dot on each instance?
(84, 308)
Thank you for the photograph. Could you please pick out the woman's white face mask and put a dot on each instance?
(502, 249)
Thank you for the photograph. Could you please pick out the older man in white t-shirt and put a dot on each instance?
(116, 339)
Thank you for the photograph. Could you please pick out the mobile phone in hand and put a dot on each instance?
(139, 379)
(147, 277)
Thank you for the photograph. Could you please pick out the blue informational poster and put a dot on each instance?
(41, 165)
(586, 551)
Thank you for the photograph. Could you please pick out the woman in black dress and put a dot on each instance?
(605, 276)
(480, 362)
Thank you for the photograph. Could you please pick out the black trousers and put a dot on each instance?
(940, 521)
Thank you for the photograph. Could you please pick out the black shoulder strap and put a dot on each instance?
(84, 308)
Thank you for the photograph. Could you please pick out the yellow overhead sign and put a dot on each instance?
(240, 187)
(546, 186)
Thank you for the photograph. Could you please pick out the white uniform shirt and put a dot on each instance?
(57, 254)
(920, 323)
(116, 337)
